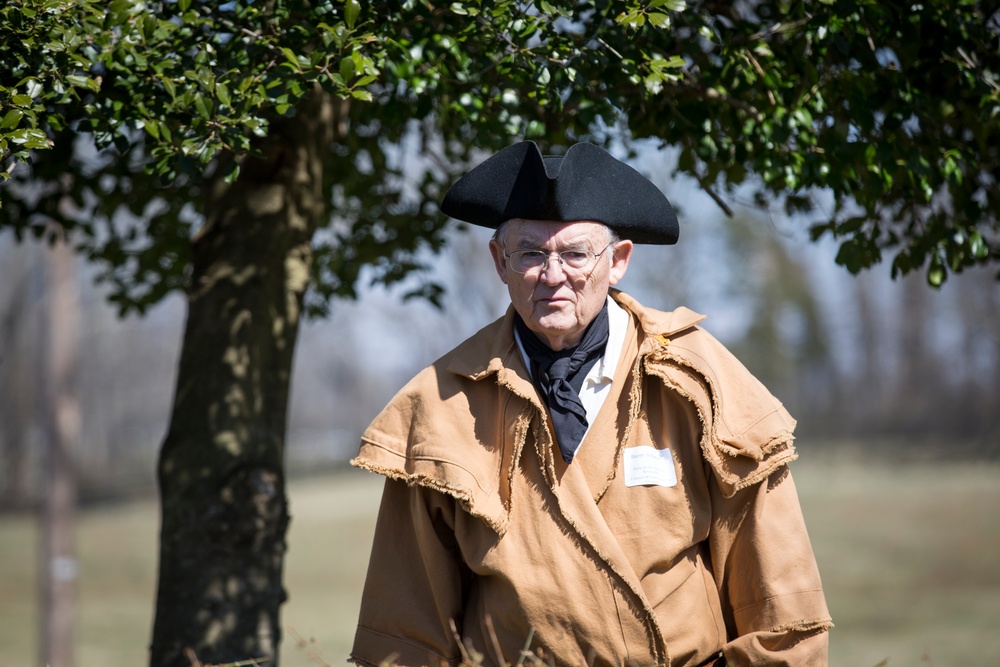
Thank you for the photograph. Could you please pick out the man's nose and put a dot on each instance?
(553, 272)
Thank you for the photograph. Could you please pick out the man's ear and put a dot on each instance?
(499, 260)
(619, 261)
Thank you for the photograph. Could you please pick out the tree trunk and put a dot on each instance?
(22, 372)
(62, 433)
(221, 467)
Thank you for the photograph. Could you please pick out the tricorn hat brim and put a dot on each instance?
(587, 183)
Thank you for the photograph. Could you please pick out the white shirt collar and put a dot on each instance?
(604, 369)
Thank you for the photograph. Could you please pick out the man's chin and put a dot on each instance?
(553, 330)
(552, 326)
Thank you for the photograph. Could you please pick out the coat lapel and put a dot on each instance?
(578, 487)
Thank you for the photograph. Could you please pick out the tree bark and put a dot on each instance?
(62, 433)
(22, 372)
(221, 467)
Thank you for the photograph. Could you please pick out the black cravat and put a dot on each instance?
(559, 377)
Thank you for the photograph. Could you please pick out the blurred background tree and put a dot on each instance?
(255, 156)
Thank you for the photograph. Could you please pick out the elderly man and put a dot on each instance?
(595, 481)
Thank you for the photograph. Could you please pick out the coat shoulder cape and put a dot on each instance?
(460, 424)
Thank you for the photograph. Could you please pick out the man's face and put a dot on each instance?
(556, 301)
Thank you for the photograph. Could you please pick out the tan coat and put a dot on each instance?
(483, 524)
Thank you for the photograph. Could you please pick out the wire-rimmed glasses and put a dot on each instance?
(531, 261)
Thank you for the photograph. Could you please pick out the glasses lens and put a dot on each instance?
(524, 261)
(576, 259)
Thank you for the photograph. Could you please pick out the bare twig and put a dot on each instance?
(760, 71)
(974, 66)
(309, 646)
(600, 40)
(526, 651)
(711, 193)
(466, 659)
(780, 27)
(491, 631)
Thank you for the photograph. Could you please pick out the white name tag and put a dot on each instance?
(649, 466)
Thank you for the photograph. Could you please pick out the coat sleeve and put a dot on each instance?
(415, 583)
(767, 577)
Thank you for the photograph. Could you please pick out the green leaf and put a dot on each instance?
(937, 273)
(202, 105)
(83, 82)
(552, 9)
(222, 92)
(232, 171)
(168, 85)
(803, 116)
(11, 119)
(632, 19)
(347, 68)
(978, 246)
(152, 129)
(291, 58)
(257, 126)
(658, 20)
(30, 139)
(352, 9)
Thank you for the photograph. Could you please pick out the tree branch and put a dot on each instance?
(695, 88)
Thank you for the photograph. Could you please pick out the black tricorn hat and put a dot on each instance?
(586, 183)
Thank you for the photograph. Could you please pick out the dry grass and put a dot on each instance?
(908, 553)
(910, 558)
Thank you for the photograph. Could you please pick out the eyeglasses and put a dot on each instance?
(535, 261)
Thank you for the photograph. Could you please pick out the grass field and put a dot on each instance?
(910, 556)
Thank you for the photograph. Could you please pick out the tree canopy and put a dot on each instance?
(878, 121)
